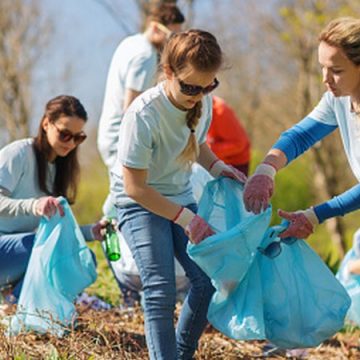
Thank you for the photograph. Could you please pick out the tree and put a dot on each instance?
(23, 36)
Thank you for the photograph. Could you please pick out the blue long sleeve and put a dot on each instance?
(339, 205)
(296, 140)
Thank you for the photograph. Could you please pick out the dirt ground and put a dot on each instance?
(119, 334)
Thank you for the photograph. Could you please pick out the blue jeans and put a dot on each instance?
(154, 241)
(15, 251)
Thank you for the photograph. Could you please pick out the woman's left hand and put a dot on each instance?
(302, 223)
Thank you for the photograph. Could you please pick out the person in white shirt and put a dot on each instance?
(133, 69)
(162, 134)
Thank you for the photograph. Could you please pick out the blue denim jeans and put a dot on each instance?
(15, 251)
(154, 241)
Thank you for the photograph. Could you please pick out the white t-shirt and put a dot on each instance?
(18, 175)
(133, 66)
(152, 135)
(336, 111)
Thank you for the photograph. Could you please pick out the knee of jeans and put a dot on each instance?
(160, 295)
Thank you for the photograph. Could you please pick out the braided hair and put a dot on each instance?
(201, 50)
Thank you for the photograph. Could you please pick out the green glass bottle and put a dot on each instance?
(112, 246)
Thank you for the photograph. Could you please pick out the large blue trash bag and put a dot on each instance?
(60, 267)
(304, 304)
(236, 306)
(293, 300)
(351, 282)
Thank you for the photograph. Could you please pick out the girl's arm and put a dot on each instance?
(206, 157)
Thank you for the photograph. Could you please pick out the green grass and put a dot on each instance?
(105, 285)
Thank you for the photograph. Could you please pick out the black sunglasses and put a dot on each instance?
(66, 135)
(193, 90)
(274, 248)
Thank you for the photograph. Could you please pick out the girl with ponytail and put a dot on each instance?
(162, 134)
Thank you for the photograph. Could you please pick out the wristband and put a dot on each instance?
(184, 217)
(266, 169)
(217, 167)
(34, 207)
(311, 216)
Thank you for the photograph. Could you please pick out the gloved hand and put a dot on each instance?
(47, 206)
(99, 229)
(302, 223)
(219, 168)
(196, 228)
(259, 188)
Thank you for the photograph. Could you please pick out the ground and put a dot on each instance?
(119, 334)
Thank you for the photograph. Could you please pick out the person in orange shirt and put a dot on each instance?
(227, 137)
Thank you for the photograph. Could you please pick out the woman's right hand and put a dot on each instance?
(47, 206)
(196, 228)
(259, 189)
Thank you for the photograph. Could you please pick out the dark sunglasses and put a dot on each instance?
(66, 135)
(274, 248)
(193, 90)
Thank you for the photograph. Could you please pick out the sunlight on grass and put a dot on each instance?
(105, 285)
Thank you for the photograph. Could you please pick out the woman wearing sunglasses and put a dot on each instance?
(162, 133)
(33, 173)
(339, 108)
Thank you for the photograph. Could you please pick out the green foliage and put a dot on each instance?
(105, 285)
(332, 265)
(93, 189)
(350, 329)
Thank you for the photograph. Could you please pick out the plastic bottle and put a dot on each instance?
(112, 246)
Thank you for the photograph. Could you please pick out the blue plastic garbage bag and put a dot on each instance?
(304, 304)
(236, 306)
(60, 267)
(351, 282)
(293, 300)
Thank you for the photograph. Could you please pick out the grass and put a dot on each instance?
(105, 285)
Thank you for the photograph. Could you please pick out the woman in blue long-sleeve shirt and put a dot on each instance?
(339, 57)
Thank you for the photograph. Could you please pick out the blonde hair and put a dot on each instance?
(200, 50)
(344, 33)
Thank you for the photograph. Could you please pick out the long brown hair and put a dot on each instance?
(67, 167)
(344, 33)
(201, 50)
